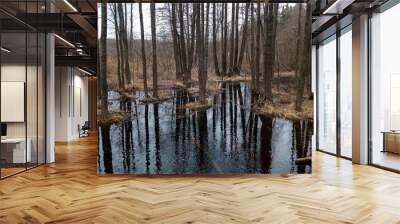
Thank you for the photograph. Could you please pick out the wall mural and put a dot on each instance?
(204, 88)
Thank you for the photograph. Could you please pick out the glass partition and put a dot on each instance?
(327, 95)
(31, 98)
(346, 92)
(14, 151)
(22, 88)
(385, 89)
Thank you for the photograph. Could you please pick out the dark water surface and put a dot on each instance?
(228, 138)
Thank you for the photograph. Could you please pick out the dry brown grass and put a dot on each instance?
(284, 87)
(286, 110)
(162, 96)
(127, 96)
(284, 93)
(198, 105)
(237, 78)
(112, 118)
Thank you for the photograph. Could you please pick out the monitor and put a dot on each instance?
(3, 129)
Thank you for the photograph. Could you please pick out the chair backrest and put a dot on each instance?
(86, 125)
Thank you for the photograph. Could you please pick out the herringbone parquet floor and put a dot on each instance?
(70, 191)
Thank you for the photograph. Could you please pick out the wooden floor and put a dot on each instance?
(387, 159)
(70, 191)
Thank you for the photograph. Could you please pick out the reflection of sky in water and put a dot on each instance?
(226, 138)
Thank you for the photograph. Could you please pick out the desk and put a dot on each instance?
(391, 141)
(16, 148)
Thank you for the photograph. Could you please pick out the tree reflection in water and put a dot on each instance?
(227, 138)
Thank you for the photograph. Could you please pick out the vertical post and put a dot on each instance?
(360, 90)
(50, 92)
(314, 68)
(338, 99)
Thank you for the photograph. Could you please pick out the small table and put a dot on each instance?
(16, 148)
(391, 141)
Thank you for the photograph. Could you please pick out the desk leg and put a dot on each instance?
(384, 142)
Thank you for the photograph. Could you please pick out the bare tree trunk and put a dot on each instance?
(154, 47)
(124, 40)
(232, 51)
(305, 66)
(216, 67)
(174, 31)
(224, 30)
(192, 42)
(184, 68)
(200, 49)
(270, 17)
(103, 61)
(131, 49)
(187, 22)
(205, 54)
(252, 47)
(143, 51)
(206, 41)
(298, 43)
(244, 38)
(118, 44)
(104, 128)
(258, 47)
(236, 46)
(131, 36)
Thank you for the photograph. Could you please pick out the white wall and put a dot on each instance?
(71, 94)
(17, 73)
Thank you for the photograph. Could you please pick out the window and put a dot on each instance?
(385, 89)
(327, 95)
(346, 92)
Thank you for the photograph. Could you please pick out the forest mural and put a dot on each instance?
(204, 88)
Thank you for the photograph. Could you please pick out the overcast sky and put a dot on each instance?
(146, 19)
(135, 17)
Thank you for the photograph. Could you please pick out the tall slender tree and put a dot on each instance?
(224, 30)
(175, 41)
(184, 68)
(232, 40)
(305, 65)
(236, 46)
(270, 18)
(206, 35)
(104, 128)
(121, 81)
(252, 46)
(144, 65)
(200, 49)
(131, 32)
(192, 41)
(103, 61)
(123, 35)
(258, 47)
(244, 39)
(298, 43)
(214, 28)
(154, 47)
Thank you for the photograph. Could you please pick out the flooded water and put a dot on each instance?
(228, 138)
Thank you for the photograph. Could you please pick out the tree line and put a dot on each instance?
(235, 34)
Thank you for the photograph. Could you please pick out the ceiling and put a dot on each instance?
(73, 21)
